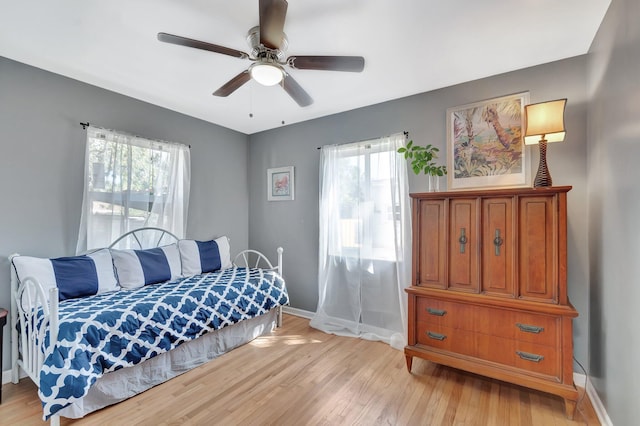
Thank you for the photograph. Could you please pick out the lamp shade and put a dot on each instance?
(545, 120)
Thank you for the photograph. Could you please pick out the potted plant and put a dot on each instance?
(423, 161)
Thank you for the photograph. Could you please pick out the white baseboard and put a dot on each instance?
(596, 402)
(6, 376)
(298, 312)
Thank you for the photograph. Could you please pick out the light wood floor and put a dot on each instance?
(300, 376)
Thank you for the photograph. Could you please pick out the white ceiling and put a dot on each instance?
(409, 46)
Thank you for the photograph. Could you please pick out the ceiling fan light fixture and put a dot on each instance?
(266, 74)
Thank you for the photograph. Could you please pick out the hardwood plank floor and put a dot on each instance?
(301, 376)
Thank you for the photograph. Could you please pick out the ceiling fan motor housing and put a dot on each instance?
(259, 51)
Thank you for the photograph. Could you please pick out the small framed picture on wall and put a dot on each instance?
(280, 184)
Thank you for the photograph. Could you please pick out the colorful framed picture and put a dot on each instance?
(485, 144)
(280, 184)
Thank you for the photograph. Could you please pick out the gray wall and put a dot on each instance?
(42, 159)
(294, 224)
(614, 210)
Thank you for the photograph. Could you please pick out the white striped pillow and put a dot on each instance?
(137, 268)
(204, 256)
(75, 276)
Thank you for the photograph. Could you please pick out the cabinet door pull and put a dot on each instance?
(530, 357)
(497, 242)
(529, 328)
(463, 239)
(436, 336)
(438, 312)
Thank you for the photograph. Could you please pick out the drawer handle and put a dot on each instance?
(463, 239)
(529, 328)
(436, 336)
(530, 357)
(438, 312)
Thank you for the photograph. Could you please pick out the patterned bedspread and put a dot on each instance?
(106, 332)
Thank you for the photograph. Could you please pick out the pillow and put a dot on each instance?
(204, 256)
(76, 276)
(137, 268)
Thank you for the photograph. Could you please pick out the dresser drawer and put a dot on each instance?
(446, 338)
(526, 356)
(528, 327)
(523, 326)
(536, 328)
(445, 313)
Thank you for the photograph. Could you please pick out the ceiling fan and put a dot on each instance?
(268, 44)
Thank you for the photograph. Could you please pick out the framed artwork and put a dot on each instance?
(280, 184)
(485, 144)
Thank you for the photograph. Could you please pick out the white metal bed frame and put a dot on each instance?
(30, 291)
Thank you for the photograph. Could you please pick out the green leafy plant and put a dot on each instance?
(423, 159)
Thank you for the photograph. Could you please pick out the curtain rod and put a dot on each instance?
(87, 124)
(406, 135)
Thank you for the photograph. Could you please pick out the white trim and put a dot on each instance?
(6, 376)
(298, 312)
(596, 402)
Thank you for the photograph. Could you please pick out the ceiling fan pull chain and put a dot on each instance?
(250, 99)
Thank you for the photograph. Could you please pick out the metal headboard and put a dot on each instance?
(136, 236)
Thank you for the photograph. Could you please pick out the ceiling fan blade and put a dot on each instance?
(272, 16)
(197, 44)
(296, 91)
(232, 85)
(327, 63)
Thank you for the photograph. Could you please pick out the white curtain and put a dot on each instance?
(365, 241)
(131, 182)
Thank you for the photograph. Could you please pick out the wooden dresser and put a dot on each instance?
(489, 286)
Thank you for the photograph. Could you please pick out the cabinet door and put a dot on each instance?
(463, 245)
(429, 244)
(497, 247)
(538, 249)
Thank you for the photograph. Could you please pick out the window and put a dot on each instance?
(367, 202)
(131, 182)
(364, 241)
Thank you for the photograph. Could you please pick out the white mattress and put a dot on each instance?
(127, 382)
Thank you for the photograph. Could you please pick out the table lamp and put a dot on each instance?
(544, 124)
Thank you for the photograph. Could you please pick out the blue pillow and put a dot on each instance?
(76, 276)
(198, 257)
(137, 268)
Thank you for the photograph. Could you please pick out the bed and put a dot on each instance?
(96, 329)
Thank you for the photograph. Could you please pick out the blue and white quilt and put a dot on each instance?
(109, 331)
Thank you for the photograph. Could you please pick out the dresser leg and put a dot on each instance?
(409, 359)
(570, 408)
